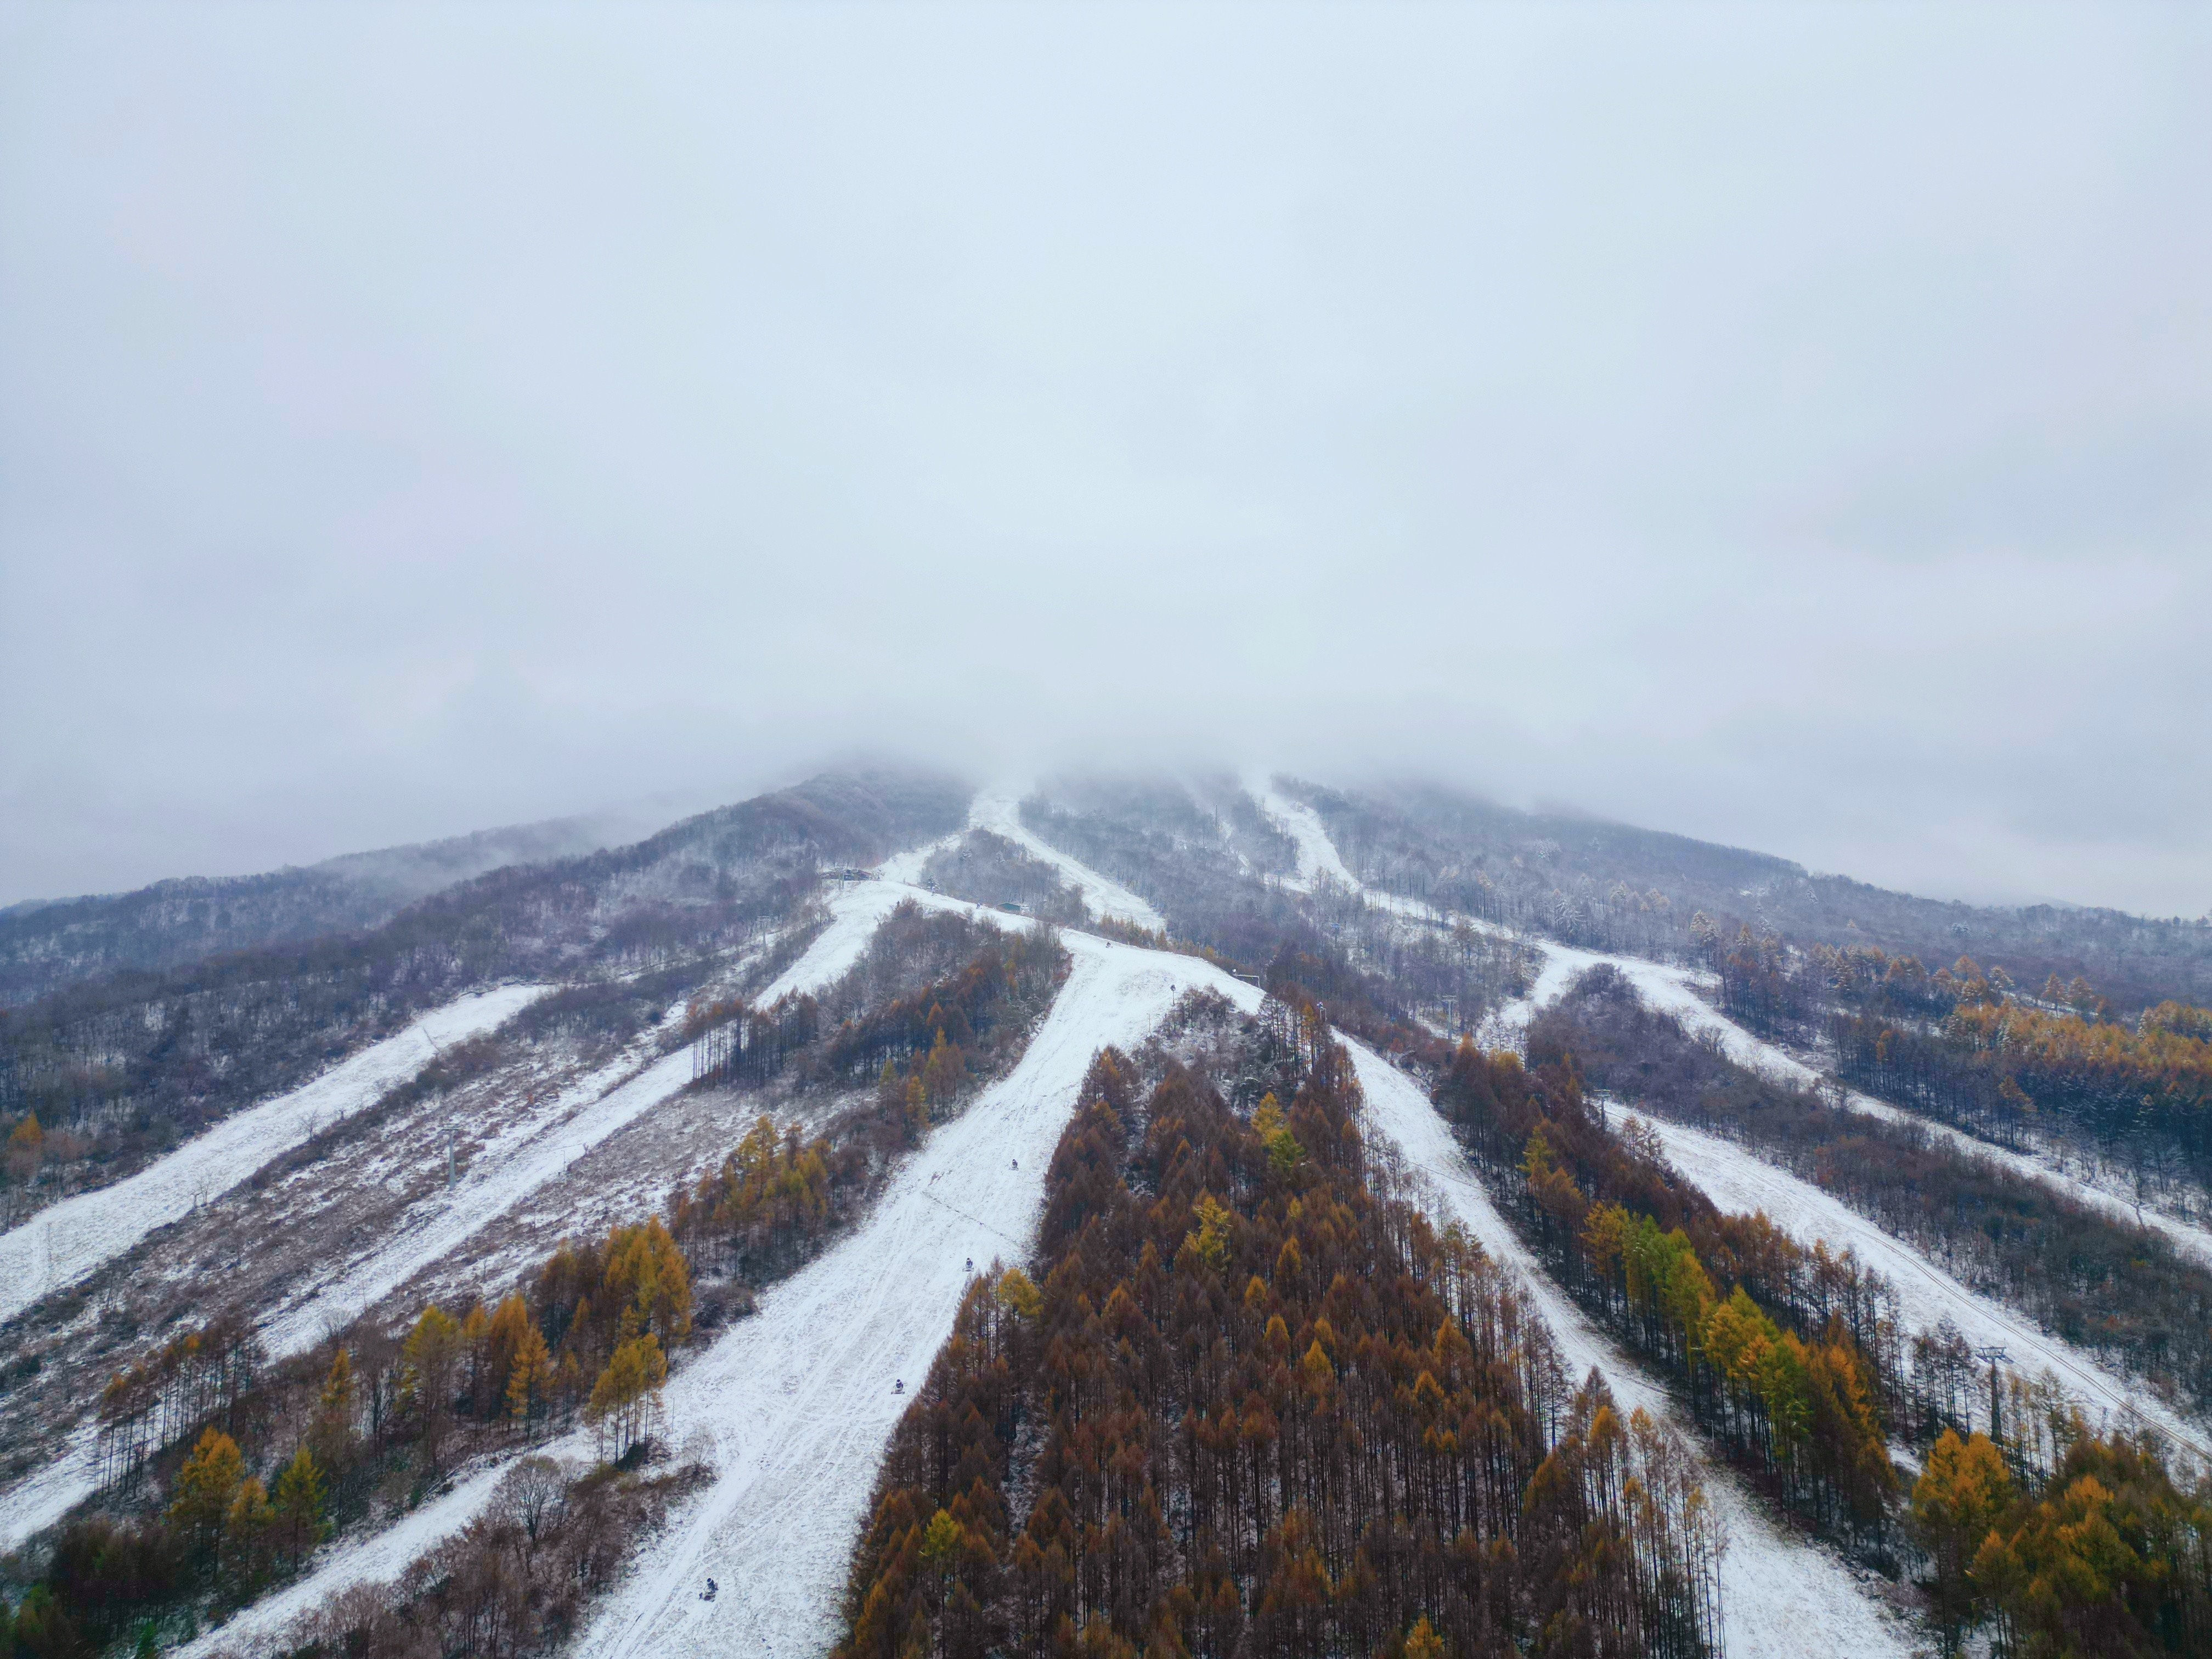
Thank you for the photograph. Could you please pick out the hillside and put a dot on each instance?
(1137, 1208)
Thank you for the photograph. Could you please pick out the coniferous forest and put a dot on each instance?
(1252, 1402)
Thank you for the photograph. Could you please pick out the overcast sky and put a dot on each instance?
(1785, 425)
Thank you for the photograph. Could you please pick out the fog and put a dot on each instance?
(1789, 425)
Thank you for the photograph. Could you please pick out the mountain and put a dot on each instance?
(1180, 1213)
(46, 944)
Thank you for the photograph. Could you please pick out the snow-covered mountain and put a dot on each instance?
(706, 1157)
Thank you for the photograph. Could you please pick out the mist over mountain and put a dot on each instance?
(1105, 832)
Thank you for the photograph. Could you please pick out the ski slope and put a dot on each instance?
(797, 1401)
(529, 1156)
(1674, 990)
(1739, 1180)
(63, 1244)
(794, 1406)
(999, 810)
(1317, 853)
(507, 1171)
(1781, 1597)
(503, 1173)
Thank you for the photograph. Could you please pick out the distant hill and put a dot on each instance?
(46, 944)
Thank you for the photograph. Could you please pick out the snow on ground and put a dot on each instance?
(1739, 1180)
(794, 1405)
(999, 810)
(1317, 853)
(1674, 990)
(856, 910)
(1780, 1596)
(907, 866)
(537, 1150)
(374, 1560)
(797, 1401)
(47, 1493)
(62, 1244)
(506, 1171)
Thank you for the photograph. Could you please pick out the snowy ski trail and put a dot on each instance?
(63, 1244)
(856, 910)
(1781, 1596)
(794, 1405)
(1673, 990)
(1317, 853)
(1737, 1179)
(504, 1173)
(797, 1401)
(999, 811)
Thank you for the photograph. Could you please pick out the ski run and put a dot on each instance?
(1779, 1595)
(70, 1240)
(793, 1407)
(1000, 813)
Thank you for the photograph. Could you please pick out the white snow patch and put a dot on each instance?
(1739, 1180)
(1780, 1596)
(71, 1239)
(999, 810)
(1317, 853)
(503, 1173)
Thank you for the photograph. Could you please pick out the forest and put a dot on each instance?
(912, 1051)
(222, 1472)
(1790, 1359)
(990, 869)
(2120, 1291)
(117, 1069)
(2054, 1539)
(1971, 1049)
(1249, 1402)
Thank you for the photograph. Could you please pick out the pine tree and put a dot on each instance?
(427, 1361)
(623, 1398)
(1957, 1500)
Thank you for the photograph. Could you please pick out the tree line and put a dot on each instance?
(2046, 1535)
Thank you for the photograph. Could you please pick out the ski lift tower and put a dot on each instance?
(1990, 1356)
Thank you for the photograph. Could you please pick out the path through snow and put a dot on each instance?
(798, 1402)
(999, 811)
(1739, 1180)
(1317, 853)
(63, 1244)
(1780, 1596)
